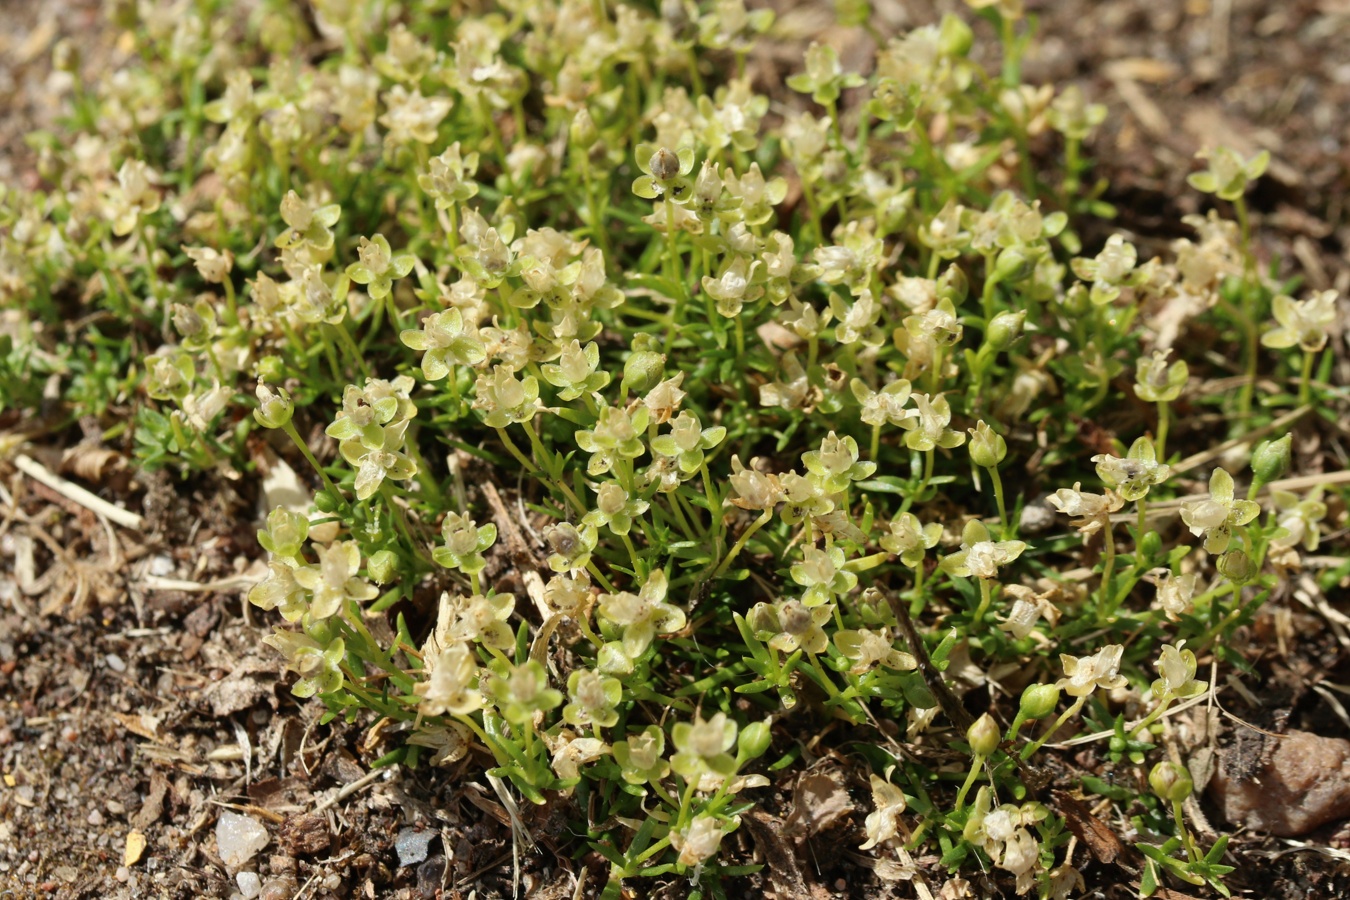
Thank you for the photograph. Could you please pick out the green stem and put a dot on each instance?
(986, 595)
(741, 541)
(1305, 379)
(1106, 606)
(998, 498)
(1163, 417)
(511, 448)
(289, 428)
(974, 773)
(1069, 713)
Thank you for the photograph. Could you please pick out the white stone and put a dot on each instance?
(238, 838)
(250, 885)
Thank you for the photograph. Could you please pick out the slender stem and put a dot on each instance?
(1069, 713)
(986, 595)
(974, 773)
(998, 498)
(1106, 606)
(511, 448)
(1305, 380)
(289, 428)
(1163, 416)
(741, 541)
(1191, 850)
(1151, 717)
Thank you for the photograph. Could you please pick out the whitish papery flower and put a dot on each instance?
(1298, 520)
(870, 648)
(1176, 670)
(521, 691)
(928, 427)
(980, 557)
(1084, 674)
(593, 699)
(883, 822)
(1092, 511)
(445, 342)
(1217, 515)
(791, 624)
(909, 538)
(835, 465)
(1175, 593)
(1306, 323)
(702, 746)
(334, 582)
(698, 841)
(822, 573)
(505, 399)
(886, 406)
(1131, 476)
(451, 685)
(754, 489)
(319, 666)
(642, 616)
(1157, 382)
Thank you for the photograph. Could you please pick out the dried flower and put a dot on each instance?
(883, 822)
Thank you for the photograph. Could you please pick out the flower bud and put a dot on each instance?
(1270, 461)
(983, 736)
(1039, 701)
(953, 285)
(271, 368)
(1150, 545)
(954, 36)
(275, 408)
(381, 566)
(1237, 566)
(644, 367)
(1170, 782)
(1013, 264)
(1004, 329)
(754, 740)
(583, 131)
(987, 447)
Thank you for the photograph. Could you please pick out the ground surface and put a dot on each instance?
(136, 700)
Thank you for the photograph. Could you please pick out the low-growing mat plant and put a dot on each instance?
(657, 415)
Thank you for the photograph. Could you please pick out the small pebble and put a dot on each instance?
(239, 838)
(411, 845)
(123, 874)
(95, 818)
(250, 885)
(115, 662)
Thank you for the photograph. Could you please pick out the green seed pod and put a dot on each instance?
(1170, 782)
(1150, 545)
(1013, 264)
(1039, 701)
(275, 408)
(987, 447)
(1270, 462)
(644, 367)
(754, 740)
(983, 736)
(381, 566)
(953, 285)
(1004, 329)
(1237, 566)
(954, 36)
